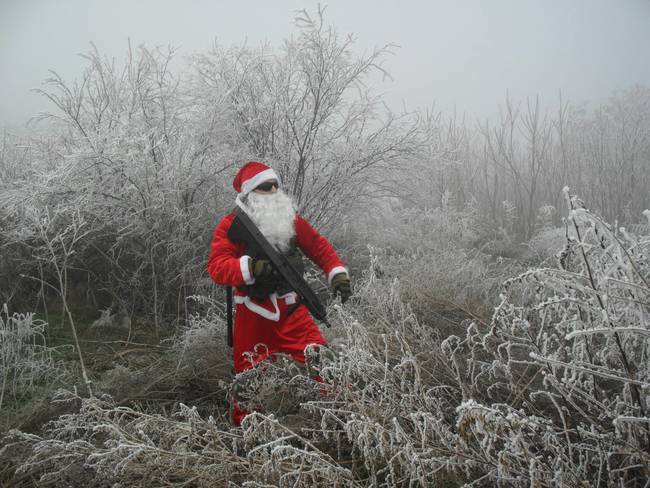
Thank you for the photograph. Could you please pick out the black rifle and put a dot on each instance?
(283, 267)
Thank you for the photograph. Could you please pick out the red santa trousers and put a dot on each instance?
(256, 338)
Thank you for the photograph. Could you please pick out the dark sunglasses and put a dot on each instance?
(267, 186)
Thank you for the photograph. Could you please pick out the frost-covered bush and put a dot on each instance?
(104, 443)
(543, 247)
(278, 384)
(107, 445)
(26, 363)
(430, 226)
(137, 155)
(192, 366)
(553, 393)
(433, 253)
(449, 280)
(203, 338)
(564, 372)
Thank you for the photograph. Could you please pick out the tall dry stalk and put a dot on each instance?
(57, 246)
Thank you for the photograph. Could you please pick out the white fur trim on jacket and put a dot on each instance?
(254, 307)
(244, 266)
(289, 298)
(250, 184)
(334, 272)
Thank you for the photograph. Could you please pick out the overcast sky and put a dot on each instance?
(462, 54)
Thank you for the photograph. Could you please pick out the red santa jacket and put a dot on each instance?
(228, 265)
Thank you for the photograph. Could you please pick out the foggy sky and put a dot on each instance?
(464, 55)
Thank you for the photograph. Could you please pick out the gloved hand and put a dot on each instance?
(260, 268)
(341, 286)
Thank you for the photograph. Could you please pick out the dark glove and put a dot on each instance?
(261, 268)
(341, 286)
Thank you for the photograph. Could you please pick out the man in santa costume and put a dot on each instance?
(268, 311)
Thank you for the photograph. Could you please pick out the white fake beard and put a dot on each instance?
(274, 215)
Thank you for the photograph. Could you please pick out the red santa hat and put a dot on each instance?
(251, 175)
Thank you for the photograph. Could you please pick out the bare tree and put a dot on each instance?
(139, 156)
(306, 110)
(58, 244)
(519, 149)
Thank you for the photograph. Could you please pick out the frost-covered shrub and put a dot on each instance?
(554, 393)
(203, 339)
(104, 443)
(408, 229)
(391, 391)
(433, 253)
(26, 362)
(192, 366)
(449, 279)
(137, 156)
(544, 247)
(277, 385)
(566, 360)
(124, 383)
(107, 445)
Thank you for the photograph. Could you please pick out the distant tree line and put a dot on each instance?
(513, 171)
